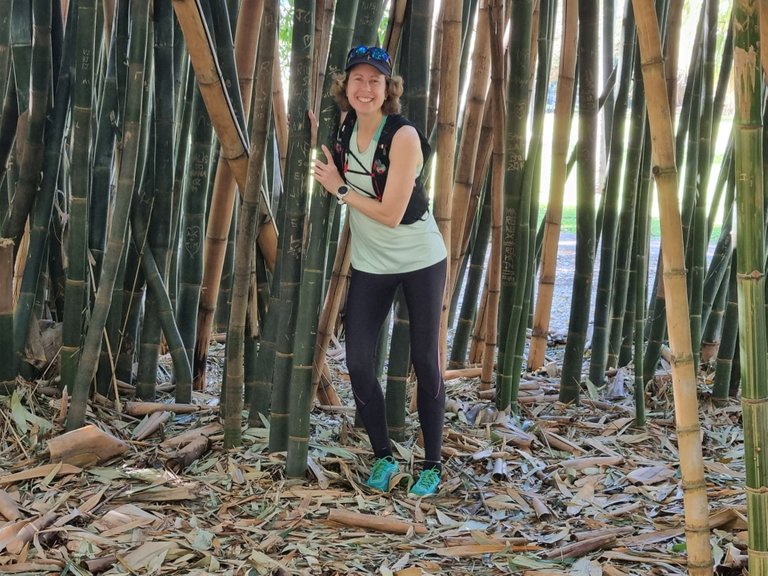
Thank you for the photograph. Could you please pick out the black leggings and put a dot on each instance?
(368, 302)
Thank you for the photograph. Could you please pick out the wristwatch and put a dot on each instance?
(341, 194)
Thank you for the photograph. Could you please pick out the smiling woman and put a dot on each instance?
(375, 170)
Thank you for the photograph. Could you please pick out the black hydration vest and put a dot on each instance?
(418, 204)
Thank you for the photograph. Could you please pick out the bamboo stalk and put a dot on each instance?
(553, 216)
(683, 374)
(246, 233)
(493, 282)
(115, 246)
(371, 522)
(446, 142)
(750, 271)
(7, 355)
(76, 289)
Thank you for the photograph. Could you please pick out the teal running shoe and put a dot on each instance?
(427, 483)
(381, 473)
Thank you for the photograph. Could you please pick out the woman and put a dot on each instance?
(375, 171)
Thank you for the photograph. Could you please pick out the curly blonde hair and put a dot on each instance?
(391, 104)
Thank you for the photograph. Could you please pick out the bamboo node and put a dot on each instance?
(693, 428)
(754, 275)
(660, 171)
(754, 401)
(753, 553)
(757, 491)
(298, 438)
(694, 485)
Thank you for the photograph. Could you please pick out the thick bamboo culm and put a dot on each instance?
(246, 233)
(750, 272)
(699, 549)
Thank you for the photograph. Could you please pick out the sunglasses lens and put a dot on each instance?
(379, 54)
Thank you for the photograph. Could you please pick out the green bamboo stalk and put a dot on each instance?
(468, 311)
(163, 309)
(103, 154)
(247, 225)
(125, 185)
(529, 206)
(313, 281)
(609, 254)
(197, 177)
(21, 50)
(512, 252)
(39, 85)
(585, 219)
(626, 350)
(5, 52)
(160, 197)
(76, 289)
(640, 266)
(126, 311)
(729, 339)
(7, 361)
(292, 231)
(43, 207)
(636, 144)
(750, 277)
(224, 300)
(716, 272)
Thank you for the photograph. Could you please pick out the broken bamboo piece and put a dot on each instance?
(144, 408)
(85, 446)
(578, 549)
(370, 522)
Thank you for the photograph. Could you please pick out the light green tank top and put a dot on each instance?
(379, 249)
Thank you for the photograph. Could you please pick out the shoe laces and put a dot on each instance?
(380, 468)
(429, 477)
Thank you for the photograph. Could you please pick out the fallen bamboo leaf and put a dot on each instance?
(380, 523)
(149, 554)
(85, 446)
(8, 507)
(40, 472)
(40, 566)
(650, 475)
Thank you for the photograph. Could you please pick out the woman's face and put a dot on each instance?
(366, 88)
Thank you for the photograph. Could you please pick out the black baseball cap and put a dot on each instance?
(371, 55)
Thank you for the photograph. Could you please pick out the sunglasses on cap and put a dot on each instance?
(373, 55)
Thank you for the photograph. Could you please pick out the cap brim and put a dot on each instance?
(378, 64)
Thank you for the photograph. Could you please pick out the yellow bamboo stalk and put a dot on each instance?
(688, 431)
(764, 36)
(554, 213)
(280, 112)
(468, 147)
(333, 298)
(395, 27)
(435, 69)
(446, 141)
(493, 280)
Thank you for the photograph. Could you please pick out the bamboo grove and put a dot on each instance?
(154, 192)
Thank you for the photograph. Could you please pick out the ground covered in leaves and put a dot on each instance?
(557, 490)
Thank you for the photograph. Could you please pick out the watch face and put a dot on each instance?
(342, 190)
